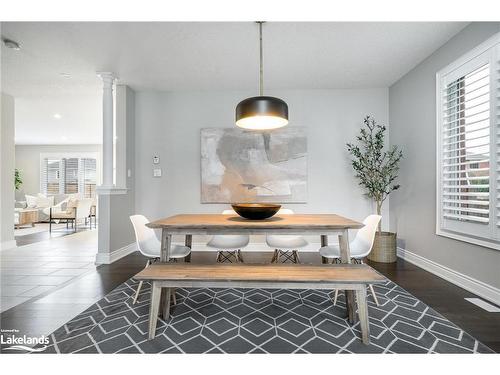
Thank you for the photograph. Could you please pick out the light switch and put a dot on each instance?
(129, 173)
(157, 172)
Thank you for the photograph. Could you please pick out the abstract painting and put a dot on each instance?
(247, 166)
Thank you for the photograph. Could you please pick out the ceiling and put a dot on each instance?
(174, 56)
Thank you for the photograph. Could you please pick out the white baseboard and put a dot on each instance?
(479, 288)
(108, 258)
(7, 245)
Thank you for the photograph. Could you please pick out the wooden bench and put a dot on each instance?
(353, 277)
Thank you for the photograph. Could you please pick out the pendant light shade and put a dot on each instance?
(261, 112)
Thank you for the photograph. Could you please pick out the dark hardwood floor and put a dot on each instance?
(43, 236)
(47, 312)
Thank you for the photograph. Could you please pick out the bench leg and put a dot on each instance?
(153, 309)
(351, 306)
(166, 304)
(363, 315)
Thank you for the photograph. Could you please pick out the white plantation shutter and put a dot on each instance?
(496, 133)
(89, 176)
(469, 147)
(71, 176)
(60, 175)
(466, 147)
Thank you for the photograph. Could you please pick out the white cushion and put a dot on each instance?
(286, 242)
(31, 201)
(229, 242)
(44, 201)
(71, 203)
(76, 196)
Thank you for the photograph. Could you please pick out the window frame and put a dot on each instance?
(486, 52)
(70, 155)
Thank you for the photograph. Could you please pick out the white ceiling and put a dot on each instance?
(195, 56)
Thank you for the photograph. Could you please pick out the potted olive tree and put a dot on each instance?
(18, 181)
(377, 169)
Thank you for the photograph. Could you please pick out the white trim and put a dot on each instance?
(479, 288)
(478, 50)
(472, 240)
(103, 190)
(108, 258)
(8, 245)
(487, 238)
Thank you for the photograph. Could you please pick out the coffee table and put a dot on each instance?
(25, 217)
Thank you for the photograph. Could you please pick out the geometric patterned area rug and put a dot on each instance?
(260, 321)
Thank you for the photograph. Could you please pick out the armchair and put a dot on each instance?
(73, 213)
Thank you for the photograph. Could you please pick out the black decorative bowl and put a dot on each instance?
(256, 211)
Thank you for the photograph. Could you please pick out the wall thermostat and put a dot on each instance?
(156, 160)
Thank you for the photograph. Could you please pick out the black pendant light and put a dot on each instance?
(261, 112)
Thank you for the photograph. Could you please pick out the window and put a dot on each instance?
(68, 175)
(468, 147)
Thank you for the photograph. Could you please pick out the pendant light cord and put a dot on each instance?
(261, 86)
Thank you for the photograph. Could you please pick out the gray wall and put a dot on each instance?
(412, 103)
(7, 130)
(28, 162)
(168, 125)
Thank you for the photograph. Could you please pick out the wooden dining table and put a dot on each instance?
(321, 225)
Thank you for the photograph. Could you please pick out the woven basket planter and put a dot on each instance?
(384, 248)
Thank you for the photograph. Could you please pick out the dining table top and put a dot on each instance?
(296, 223)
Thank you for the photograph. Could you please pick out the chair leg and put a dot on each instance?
(239, 256)
(174, 299)
(296, 256)
(335, 297)
(275, 256)
(140, 285)
(137, 293)
(373, 294)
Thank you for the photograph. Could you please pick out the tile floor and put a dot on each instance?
(31, 270)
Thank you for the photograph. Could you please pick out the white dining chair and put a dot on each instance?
(149, 246)
(285, 246)
(229, 245)
(360, 247)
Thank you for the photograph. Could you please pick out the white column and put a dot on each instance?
(108, 79)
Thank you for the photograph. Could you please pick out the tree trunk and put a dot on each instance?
(379, 212)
